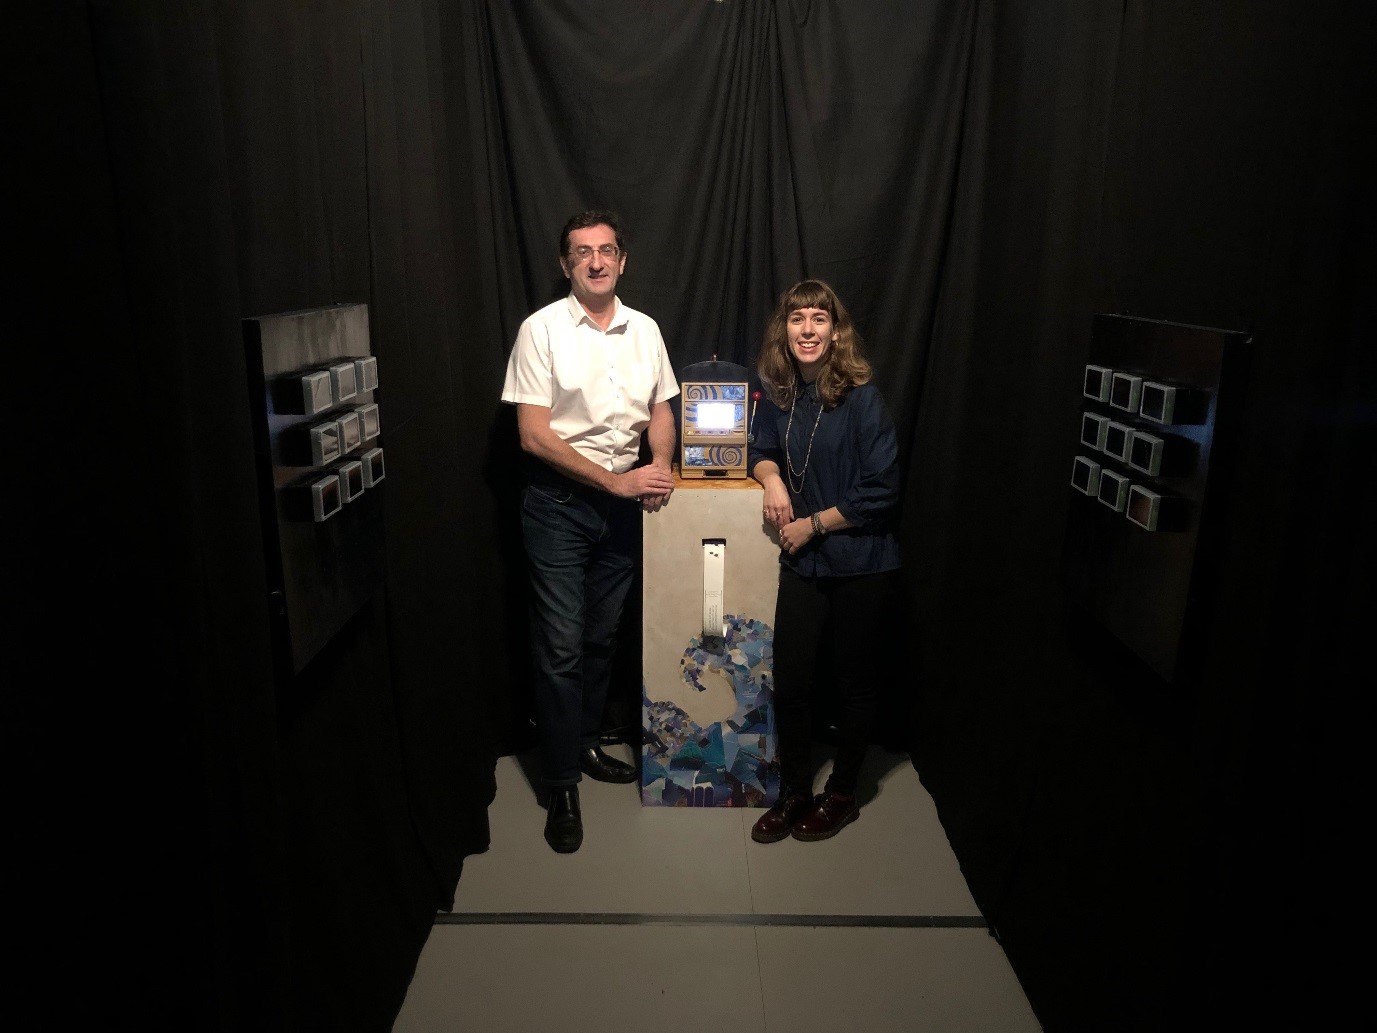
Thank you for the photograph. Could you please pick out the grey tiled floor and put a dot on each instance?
(672, 919)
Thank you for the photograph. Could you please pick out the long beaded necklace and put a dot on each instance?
(789, 459)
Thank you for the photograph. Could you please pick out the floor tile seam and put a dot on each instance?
(761, 994)
(746, 851)
(744, 919)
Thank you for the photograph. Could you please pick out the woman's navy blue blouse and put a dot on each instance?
(853, 465)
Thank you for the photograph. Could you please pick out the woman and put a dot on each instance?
(825, 452)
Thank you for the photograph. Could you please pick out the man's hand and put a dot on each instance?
(644, 481)
(654, 501)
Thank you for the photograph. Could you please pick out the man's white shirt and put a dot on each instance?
(598, 384)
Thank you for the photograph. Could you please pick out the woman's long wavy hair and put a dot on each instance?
(843, 367)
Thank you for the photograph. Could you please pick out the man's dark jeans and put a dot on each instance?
(580, 546)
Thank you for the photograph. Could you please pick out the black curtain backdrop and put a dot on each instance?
(976, 179)
(746, 145)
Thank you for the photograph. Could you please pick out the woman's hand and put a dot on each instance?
(795, 534)
(778, 509)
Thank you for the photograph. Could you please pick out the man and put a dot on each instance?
(587, 376)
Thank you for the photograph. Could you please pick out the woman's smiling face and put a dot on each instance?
(810, 335)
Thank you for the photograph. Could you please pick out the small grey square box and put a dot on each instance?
(1085, 476)
(1144, 507)
(325, 443)
(369, 425)
(1145, 453)
(1124, 392)
(351, 480)
(325, 498)
(1113, 490)
(317, 392)
(1158, 402)
(366, 370)
(1116, 440)
(350, 433)
(1096, 383)
(344, 379)
(373, 471)
(1093, 427)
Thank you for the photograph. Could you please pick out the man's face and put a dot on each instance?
(810, 335)
(594, 279)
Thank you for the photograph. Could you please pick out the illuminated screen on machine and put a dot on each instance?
(716, 416)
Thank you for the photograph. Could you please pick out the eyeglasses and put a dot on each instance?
(583, 252)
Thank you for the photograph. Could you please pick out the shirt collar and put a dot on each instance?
(578, 315)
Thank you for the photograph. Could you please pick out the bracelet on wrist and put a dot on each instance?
(818, 529)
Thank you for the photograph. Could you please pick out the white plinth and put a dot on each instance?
(707, 702)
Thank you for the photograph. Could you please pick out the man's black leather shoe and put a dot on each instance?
(564, 820)
(598, 765)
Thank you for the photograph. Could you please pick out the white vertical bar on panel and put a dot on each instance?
(714, 578)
